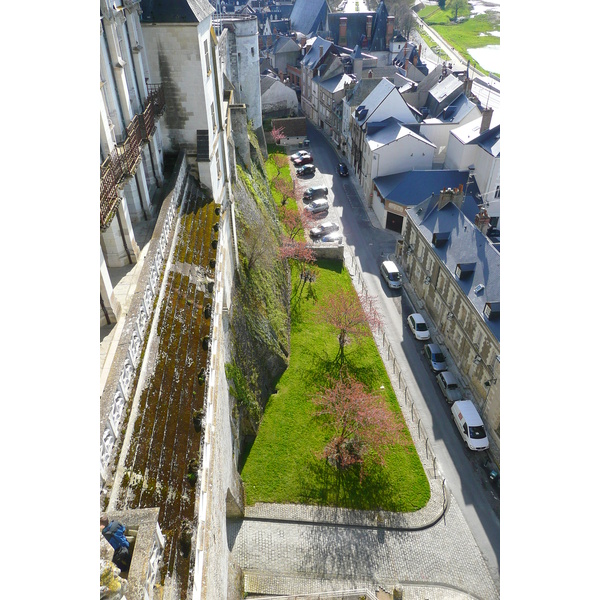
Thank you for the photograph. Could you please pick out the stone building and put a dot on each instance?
(131, 153)
(454, 269)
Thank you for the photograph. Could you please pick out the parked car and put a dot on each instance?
(305, 170)
(470, 425)
(303, 160)
(335, 237)
(323, 229)
(299, 154)
(389, 271)
(315, 192)
(449, 386)
(417, 325)
(435, 356)
(317, 206)
(342, 169)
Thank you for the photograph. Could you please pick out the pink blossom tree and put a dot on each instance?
(277, 134)
(294, 221)
(353, 315)
(364, 426)
(285, 187)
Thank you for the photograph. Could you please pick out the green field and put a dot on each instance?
(470, 33)
(282, 464)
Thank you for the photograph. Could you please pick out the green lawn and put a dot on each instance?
(466, 34)
(281, 466)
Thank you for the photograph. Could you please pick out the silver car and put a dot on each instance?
(323, 229)
(435, 356)
(449, 386)
(335, 237)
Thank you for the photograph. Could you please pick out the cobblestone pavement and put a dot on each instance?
(287, 558)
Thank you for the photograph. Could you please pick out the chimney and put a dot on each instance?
(486, 119)
(415, 59)
(302, 42)
(369, 26)
(449, 196)
(389, 32)
(320, 51)
(357, 67)
(482, 221)
(343, 25)
(467, 87)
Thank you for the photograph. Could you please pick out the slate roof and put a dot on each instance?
(361, 90)
(309, 16)
(175, 11)
(356, 27)
(266, 81)
(282, 26)
(455, 112)
(336, 83)
(375, 98)
(379, 28)
(285, 44)
(386, 131)
(466, 244)
(312, 57)
(445, 88)
(413, 187)
(489, 140)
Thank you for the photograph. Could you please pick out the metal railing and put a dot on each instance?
(405, 396)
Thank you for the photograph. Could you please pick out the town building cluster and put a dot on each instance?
(188, 81)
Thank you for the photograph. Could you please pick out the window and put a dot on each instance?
(497, 194)
(206, 57)
(212, 114)
(252, 50)
(218, 162)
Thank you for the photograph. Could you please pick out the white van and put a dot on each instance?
(389, 271)
(470, 425)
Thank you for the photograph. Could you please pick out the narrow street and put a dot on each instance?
(468, 535)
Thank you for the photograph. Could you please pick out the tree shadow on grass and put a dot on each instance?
(325, 365)
(325, 485)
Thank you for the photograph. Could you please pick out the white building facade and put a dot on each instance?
(131, 155)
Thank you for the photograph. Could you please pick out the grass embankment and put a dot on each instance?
(465, 34)
(282, 465)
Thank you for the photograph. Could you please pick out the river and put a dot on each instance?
(487, 56)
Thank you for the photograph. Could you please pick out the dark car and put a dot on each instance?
(342, 170)
(305, 170)
(303, 160)
(315, 192)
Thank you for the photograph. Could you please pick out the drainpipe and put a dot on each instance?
(104, 310)
(123, 236)
(135, 176)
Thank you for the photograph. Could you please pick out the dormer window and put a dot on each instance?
(439, 239)
(492, 310)
(464, 270)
